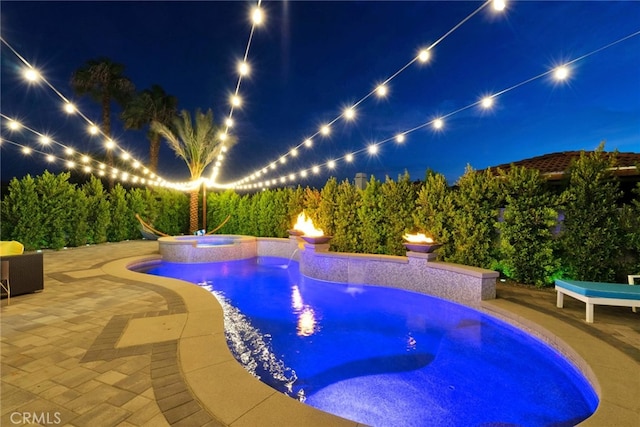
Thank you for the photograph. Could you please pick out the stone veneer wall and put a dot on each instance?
(416, 272)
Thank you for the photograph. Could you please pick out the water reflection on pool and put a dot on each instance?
(384, 356)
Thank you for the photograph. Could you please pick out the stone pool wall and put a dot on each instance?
(416, 272)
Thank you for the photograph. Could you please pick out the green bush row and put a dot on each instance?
(50, 212)
(511, 222)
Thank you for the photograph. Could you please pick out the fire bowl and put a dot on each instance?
(295, 232)
(424, 248)
(316, 240)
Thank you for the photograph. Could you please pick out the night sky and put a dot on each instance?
(311, 59)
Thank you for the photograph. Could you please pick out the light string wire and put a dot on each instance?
(293, 151)
(331, 164)
(111, 144)
(229, 120)
(84, 159)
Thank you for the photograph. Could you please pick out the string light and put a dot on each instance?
(382, 91)
(400, 138)
(14, 125)
(561, 73)
(236, 101)
(325, 130)
(349, 113)
(257, 16)
(31, 75)
(438, 124)
(348, 158)
(487, 102)
(424, 55)
(499, 5)
(45, 140)
(69, 108)
(93, 130)
(308, 142)
(372, 149)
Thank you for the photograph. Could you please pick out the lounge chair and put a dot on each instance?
(597, 293)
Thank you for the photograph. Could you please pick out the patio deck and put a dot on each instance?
(60, 359)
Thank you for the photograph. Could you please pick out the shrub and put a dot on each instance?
(22, 218)
(98, 211)
(370, 216)
(346, 225)
(434, 212)
(120, 214)
(398, 205)
(526, 237)
(591, 236)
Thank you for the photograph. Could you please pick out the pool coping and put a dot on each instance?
(236, 398)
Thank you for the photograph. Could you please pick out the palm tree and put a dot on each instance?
(198, 143)
(150, 105)
(103, 80)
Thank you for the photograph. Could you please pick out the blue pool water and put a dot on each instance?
(387, 357)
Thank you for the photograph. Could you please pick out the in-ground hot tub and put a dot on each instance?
(221, 247)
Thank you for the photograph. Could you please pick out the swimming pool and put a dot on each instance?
(386, 357)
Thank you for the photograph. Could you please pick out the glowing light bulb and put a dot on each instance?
(265, 170)
(93, 130)
(487, 102)
(382, 91)
(45, 140)
(257, 16)
(87, 169)
(68, 151)
(292, 176)
(220, 157)
(228, 122)
(31, 75)
(400, 138)
(69, 108)
(308, 142)
(349, 113)
(222, 136)
(325, 130)
(561, 72)
(243, 68)
(283, 160)
(272, 165)
(315, 169)
(26, 150)
(331, 164)
(125, 155)
(102, 166)
(224, 148)
(424, 55)
(293, 152)
(71, 164)
(109, 144)
(85, 159)
(303, 173)
(499, 5)
(438, 123)
(372, 148)
(101, 173)
(348, 158)
(50, 158)
(13, 125)
(283, 179)
(236, 101)
(136, 164)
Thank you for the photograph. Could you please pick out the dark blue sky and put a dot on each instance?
(310, 59)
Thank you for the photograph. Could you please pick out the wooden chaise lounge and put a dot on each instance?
(598, 293)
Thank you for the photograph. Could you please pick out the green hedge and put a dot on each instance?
(506, 221)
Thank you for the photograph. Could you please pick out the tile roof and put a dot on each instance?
(554, 165)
